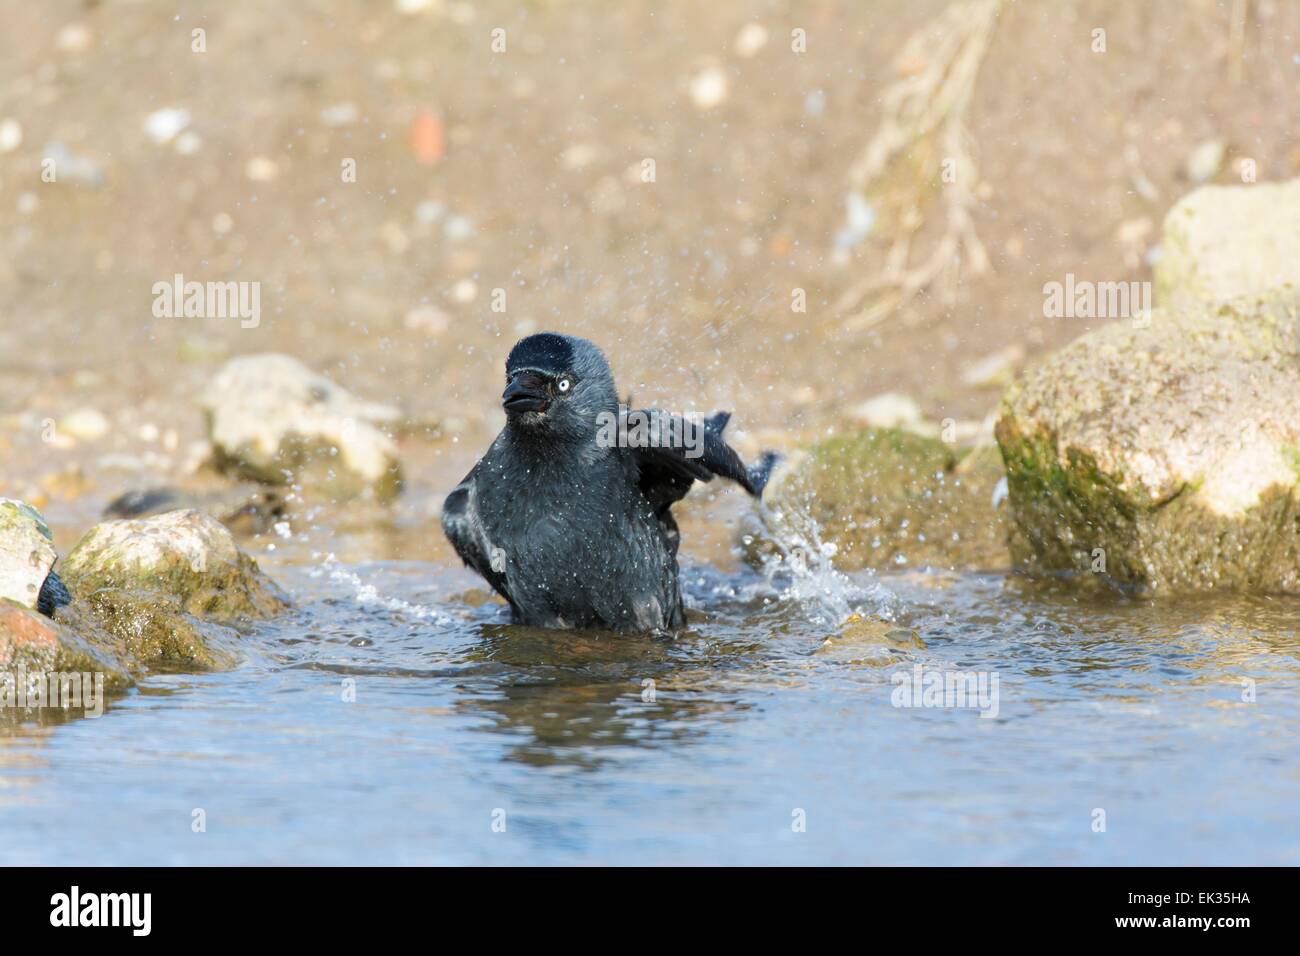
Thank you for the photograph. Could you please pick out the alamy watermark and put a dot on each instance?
(133, 911)
(922, 687)
(40, 690)
(208, 300)
(1082, 299)
(651, 428)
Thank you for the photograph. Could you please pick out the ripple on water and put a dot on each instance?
(780, 695)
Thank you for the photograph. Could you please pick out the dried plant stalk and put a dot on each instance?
(932, 103)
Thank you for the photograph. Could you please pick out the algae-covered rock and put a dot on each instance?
(886, 498)
(1165, 456)
(272, 419)
(26, 552)
(150, 631)
(33, 644)
(1227, 242)
(187, 555)
(869, 641)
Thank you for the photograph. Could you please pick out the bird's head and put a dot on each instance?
(557, 385)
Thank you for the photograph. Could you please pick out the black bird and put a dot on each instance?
(570, 525)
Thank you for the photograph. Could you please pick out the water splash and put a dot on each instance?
(368, 595)
(800, 569)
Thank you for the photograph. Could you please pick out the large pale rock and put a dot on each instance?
(186, 555)
(272, 419)
(1227, 242)
(1167, 454)
(26, 552)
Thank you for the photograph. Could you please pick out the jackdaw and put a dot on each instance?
(567, 516)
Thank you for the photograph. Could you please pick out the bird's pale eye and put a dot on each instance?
(564, 384)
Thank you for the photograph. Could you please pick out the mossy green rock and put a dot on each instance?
(185, 555)
(150, 631)
(1165, 456)
(887, 498)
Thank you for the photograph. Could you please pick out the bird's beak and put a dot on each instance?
(525, 393)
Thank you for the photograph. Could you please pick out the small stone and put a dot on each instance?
(163, 125)
(429, 212)
(85, 424)
(11, 135)
(709, 88)
(458, 228)
(428, 319)
(580, 156)
(1205, 161)
(188, 143)
(465, 291)
(803, 395)
(890, 410)
(340, 114)
(261, 169)
(395, 237)
(750, 40)
(74, 38)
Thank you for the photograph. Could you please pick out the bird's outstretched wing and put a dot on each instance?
(667, 468)
(461, 524)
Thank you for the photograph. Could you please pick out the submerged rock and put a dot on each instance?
(1165, 456)
(886, 499)
(186, 555)
(272, 419)
(151, 631)
(869, 641)
(26, 552)
(1227, 242)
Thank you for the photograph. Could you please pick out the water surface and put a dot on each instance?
(753, 725)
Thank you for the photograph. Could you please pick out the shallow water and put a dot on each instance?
(755, 724)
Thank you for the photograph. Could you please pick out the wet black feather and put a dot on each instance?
(574, 531)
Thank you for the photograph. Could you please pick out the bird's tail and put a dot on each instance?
(717, 421)
(756, 475)
(761, 471)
